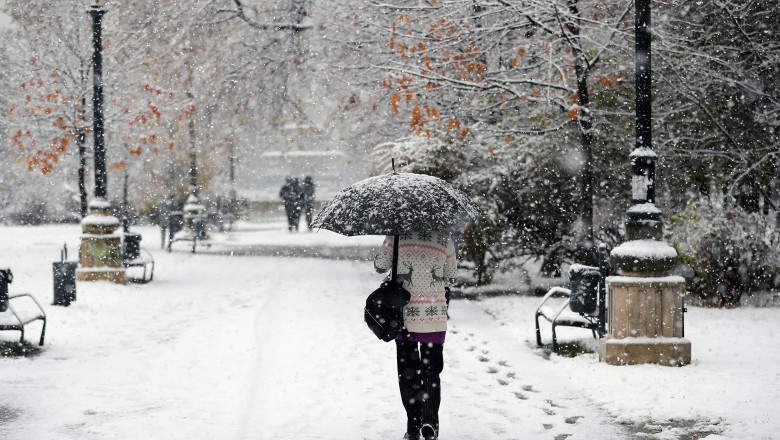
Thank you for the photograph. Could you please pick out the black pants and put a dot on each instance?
(419, 366)
(309, 207)
(293, 215)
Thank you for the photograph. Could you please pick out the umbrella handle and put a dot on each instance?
(392, 162)
(394, 271)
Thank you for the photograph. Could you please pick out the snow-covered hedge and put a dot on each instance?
(732, 252)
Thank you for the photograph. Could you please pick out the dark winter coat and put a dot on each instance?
(290, 193)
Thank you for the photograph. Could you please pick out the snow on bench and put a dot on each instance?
(22, 312)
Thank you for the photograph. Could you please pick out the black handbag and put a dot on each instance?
(384, 306)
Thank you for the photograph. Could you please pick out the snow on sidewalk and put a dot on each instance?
(330, 378)
(220, 347)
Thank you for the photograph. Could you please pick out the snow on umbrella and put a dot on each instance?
(394, 204)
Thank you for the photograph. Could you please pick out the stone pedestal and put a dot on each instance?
(645, 322)
(100, 256)
(193, 212)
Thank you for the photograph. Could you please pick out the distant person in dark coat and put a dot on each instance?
(307, 191)
(291, 195)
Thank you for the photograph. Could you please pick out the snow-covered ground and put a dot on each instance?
(268, 347)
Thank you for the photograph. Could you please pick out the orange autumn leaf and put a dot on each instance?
(509, 139)
(416, 116)
(514, 62)
(521, 52)
(574, 112)
(394, 102)
(490, 150)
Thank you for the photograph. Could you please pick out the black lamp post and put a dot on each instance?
(643, 220)
(101, 185)
(100, 253)
(193, 209)
(193, 154)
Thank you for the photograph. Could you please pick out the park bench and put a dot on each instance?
(18, 310)
(133, 256)
(177, 232)
(584, 305)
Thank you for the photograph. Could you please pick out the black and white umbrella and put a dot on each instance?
(397, 203)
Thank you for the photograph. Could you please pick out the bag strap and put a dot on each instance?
(404, 331)
(395, 258)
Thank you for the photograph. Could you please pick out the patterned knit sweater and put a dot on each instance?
(426, 264)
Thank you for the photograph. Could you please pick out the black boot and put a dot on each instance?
(429, 433)
(431, 399)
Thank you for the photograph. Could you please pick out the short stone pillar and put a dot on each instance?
(645, 316)
(645, 305)
(101, 249)
(193, 211)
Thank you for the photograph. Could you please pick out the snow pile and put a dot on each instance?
(645, 250)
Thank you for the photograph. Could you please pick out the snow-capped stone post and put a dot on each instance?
(644, 303)
(101, 249)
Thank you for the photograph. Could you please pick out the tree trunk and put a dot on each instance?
(585, 245)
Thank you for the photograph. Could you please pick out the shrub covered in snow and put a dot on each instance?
(732, 252)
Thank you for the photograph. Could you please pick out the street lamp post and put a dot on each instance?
(193, 208)
(101, 187)
(193, 153)
(645, 305)
(100, 256)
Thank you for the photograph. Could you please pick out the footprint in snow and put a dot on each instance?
(529, 388)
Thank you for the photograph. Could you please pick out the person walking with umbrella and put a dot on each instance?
(412, 210)
(429, 258)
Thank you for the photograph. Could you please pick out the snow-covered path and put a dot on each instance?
(254, 348)
(319, 374)
(262, 348)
